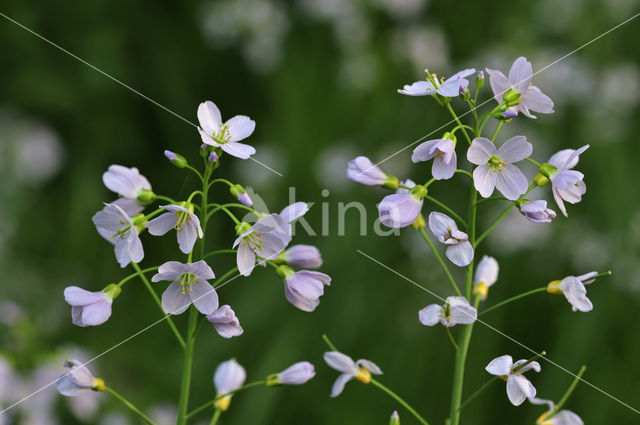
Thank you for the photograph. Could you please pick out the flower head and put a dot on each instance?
(303, 288)
(90, 308)
(443, 153)
(266, 238)
(520, 94)
(495, 166)
(225, 322)
(456, 310)
(118, 228)
(563, 417)
(296, 374)
(131, 185)
(574, 290)
(188, 284)
(519, 388)
(182, 219)
(459, 250)
(225, 136)
(537, 211)
(447, 88)
(567, 184)
(303, 256)
(401, 209)
(486, 275)
(360, 370)
(229, 376)
(78, 378)
(362, 170)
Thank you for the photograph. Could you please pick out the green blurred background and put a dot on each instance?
(320, 79)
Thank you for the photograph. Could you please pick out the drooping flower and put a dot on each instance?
(563, 417)
(229, 376)
(225, 322)
(520, 94)
(574, 290)
(303, 256)
(291, 213)
(118, 228)
(456, 310)
(360, 370)
(537, 211)
(519, 388)
(225, 136)
(182, 219)
(296, 374)
(303, 288)
(90, 308)
(459, 250)
(567, 184)
(402, 208)
(266, 238)
(443, 153)
(486, 275)
(362, 170)
(134, 188)
(77, 379)
(188, 284)
(448, 88)
(495, 166)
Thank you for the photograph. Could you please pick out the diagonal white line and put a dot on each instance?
(503, 334)
(115, 80)
(492, 98)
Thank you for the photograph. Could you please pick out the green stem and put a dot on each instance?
(224, 208)
(197, 173)
(465, 172)
(130, 406)
(455, 117)
(218, 397)
(158, 302)
(428, 183)
(453, 341)
(219, 251)
(495, 133)
(447, 209)
(514, 298)
(566, 395)
(329, 343)
(165, 198)
(478, 391)
(220, 280)
(216, 416)
(136, 274)
(441, 261)
(534, 162)
(221, 180)
(397, 398)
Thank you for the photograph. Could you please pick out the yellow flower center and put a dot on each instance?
(554, 287)
(363, 376)
(481, 289)
(223, 403)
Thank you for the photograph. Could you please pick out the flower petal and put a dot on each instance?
(460, 254)
(209, 117)
(515, 149)
(520, 74)
(430, 315)
(370, 366)
(500, 365)
(480, 151)
(338, 385)
(239, 150)
(484, 180)
(174, 301)
(511, 182)
(246, 259)
(162, 224)
(204, 297)
(240, 127)
(340, 362)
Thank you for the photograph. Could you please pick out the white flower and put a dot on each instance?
(78, 378)
(128, 183)
(116, 226)
(360, 370)
(457, 310)
(537, 211)
(459, 249)
(495, 166)
(229, 376)
(519, 388)
(448, 88)
(225, 136)
(443, 153)
(189, 284)
(566, 183)
(486, 275)
(266, 238)
(563, 417)
(182, 219)
(574, 290)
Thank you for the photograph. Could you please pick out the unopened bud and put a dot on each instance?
(480, 80)
(146, 196)
(464, 92)
(176, 159)
(540, 180)
(213, 157)
(395, 418)
(241, 195)
(420, 223)
(507, 115)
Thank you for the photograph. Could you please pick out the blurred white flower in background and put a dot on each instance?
(423, 47)
(359, 71)
(331, 164)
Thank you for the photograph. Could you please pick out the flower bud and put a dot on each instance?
(177, 160)
(511, 97)
(507, 115)
(146, 196)
(240, 194)
(420, 223)
(213, 157)
(540, 180)
(547, 170)
(395, 418)
(464, 92)
(480, 80)
(296, 374)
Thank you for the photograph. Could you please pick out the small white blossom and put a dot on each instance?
(519, 388)
(486, 275)
(574, 290)
(360, 370)
(457, 310)
(459, 249)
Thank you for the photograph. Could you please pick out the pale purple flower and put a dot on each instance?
(486, 275)
(245, 199)
(448, 88)
(362, 170)
(116, 226)
(225, 136)
(400, 209)
(303, 256)
(495, 166)
(456, 310)
(519, 388)
(567, 184)
(360, 370)
(296, 374)
(563, 417)
(293, 212)
(128, 183)
(229, 376)
(225, 322)
(531, 98)
(574, 290)
(537, 211)
(77, 379)
(182, 219)
(177, 160)
(266, 238)
(443, 153)
(459, 250)
(304, 288)
(188, 284)
(90, 308)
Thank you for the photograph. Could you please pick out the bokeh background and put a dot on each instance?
(320, 79)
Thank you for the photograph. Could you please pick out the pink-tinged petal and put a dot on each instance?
(564, 180)
(424, 151)
(511, 182)
(240, 127)
(484, 180)
(225, 322)
(515, 149)
(480, 151)
(460, 254)
(174, 301)
(162, 224)
(207, 139)
(462, 74)
(124, 181)
(499, 83)
(204, 297)
(514, 389)
(338, 385)
(441, 224)
(500, 366)
(430, 315)
(239, 150)
(520, 74)
(537, 101)
(187, 237)
(419, 88)
(246, 259)
(209, 117)
(200, 269)
(559, 202)
(97, 313)
(573, 195)
(340, 362)
(370, 366)
(443, 170)
(66, 387)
